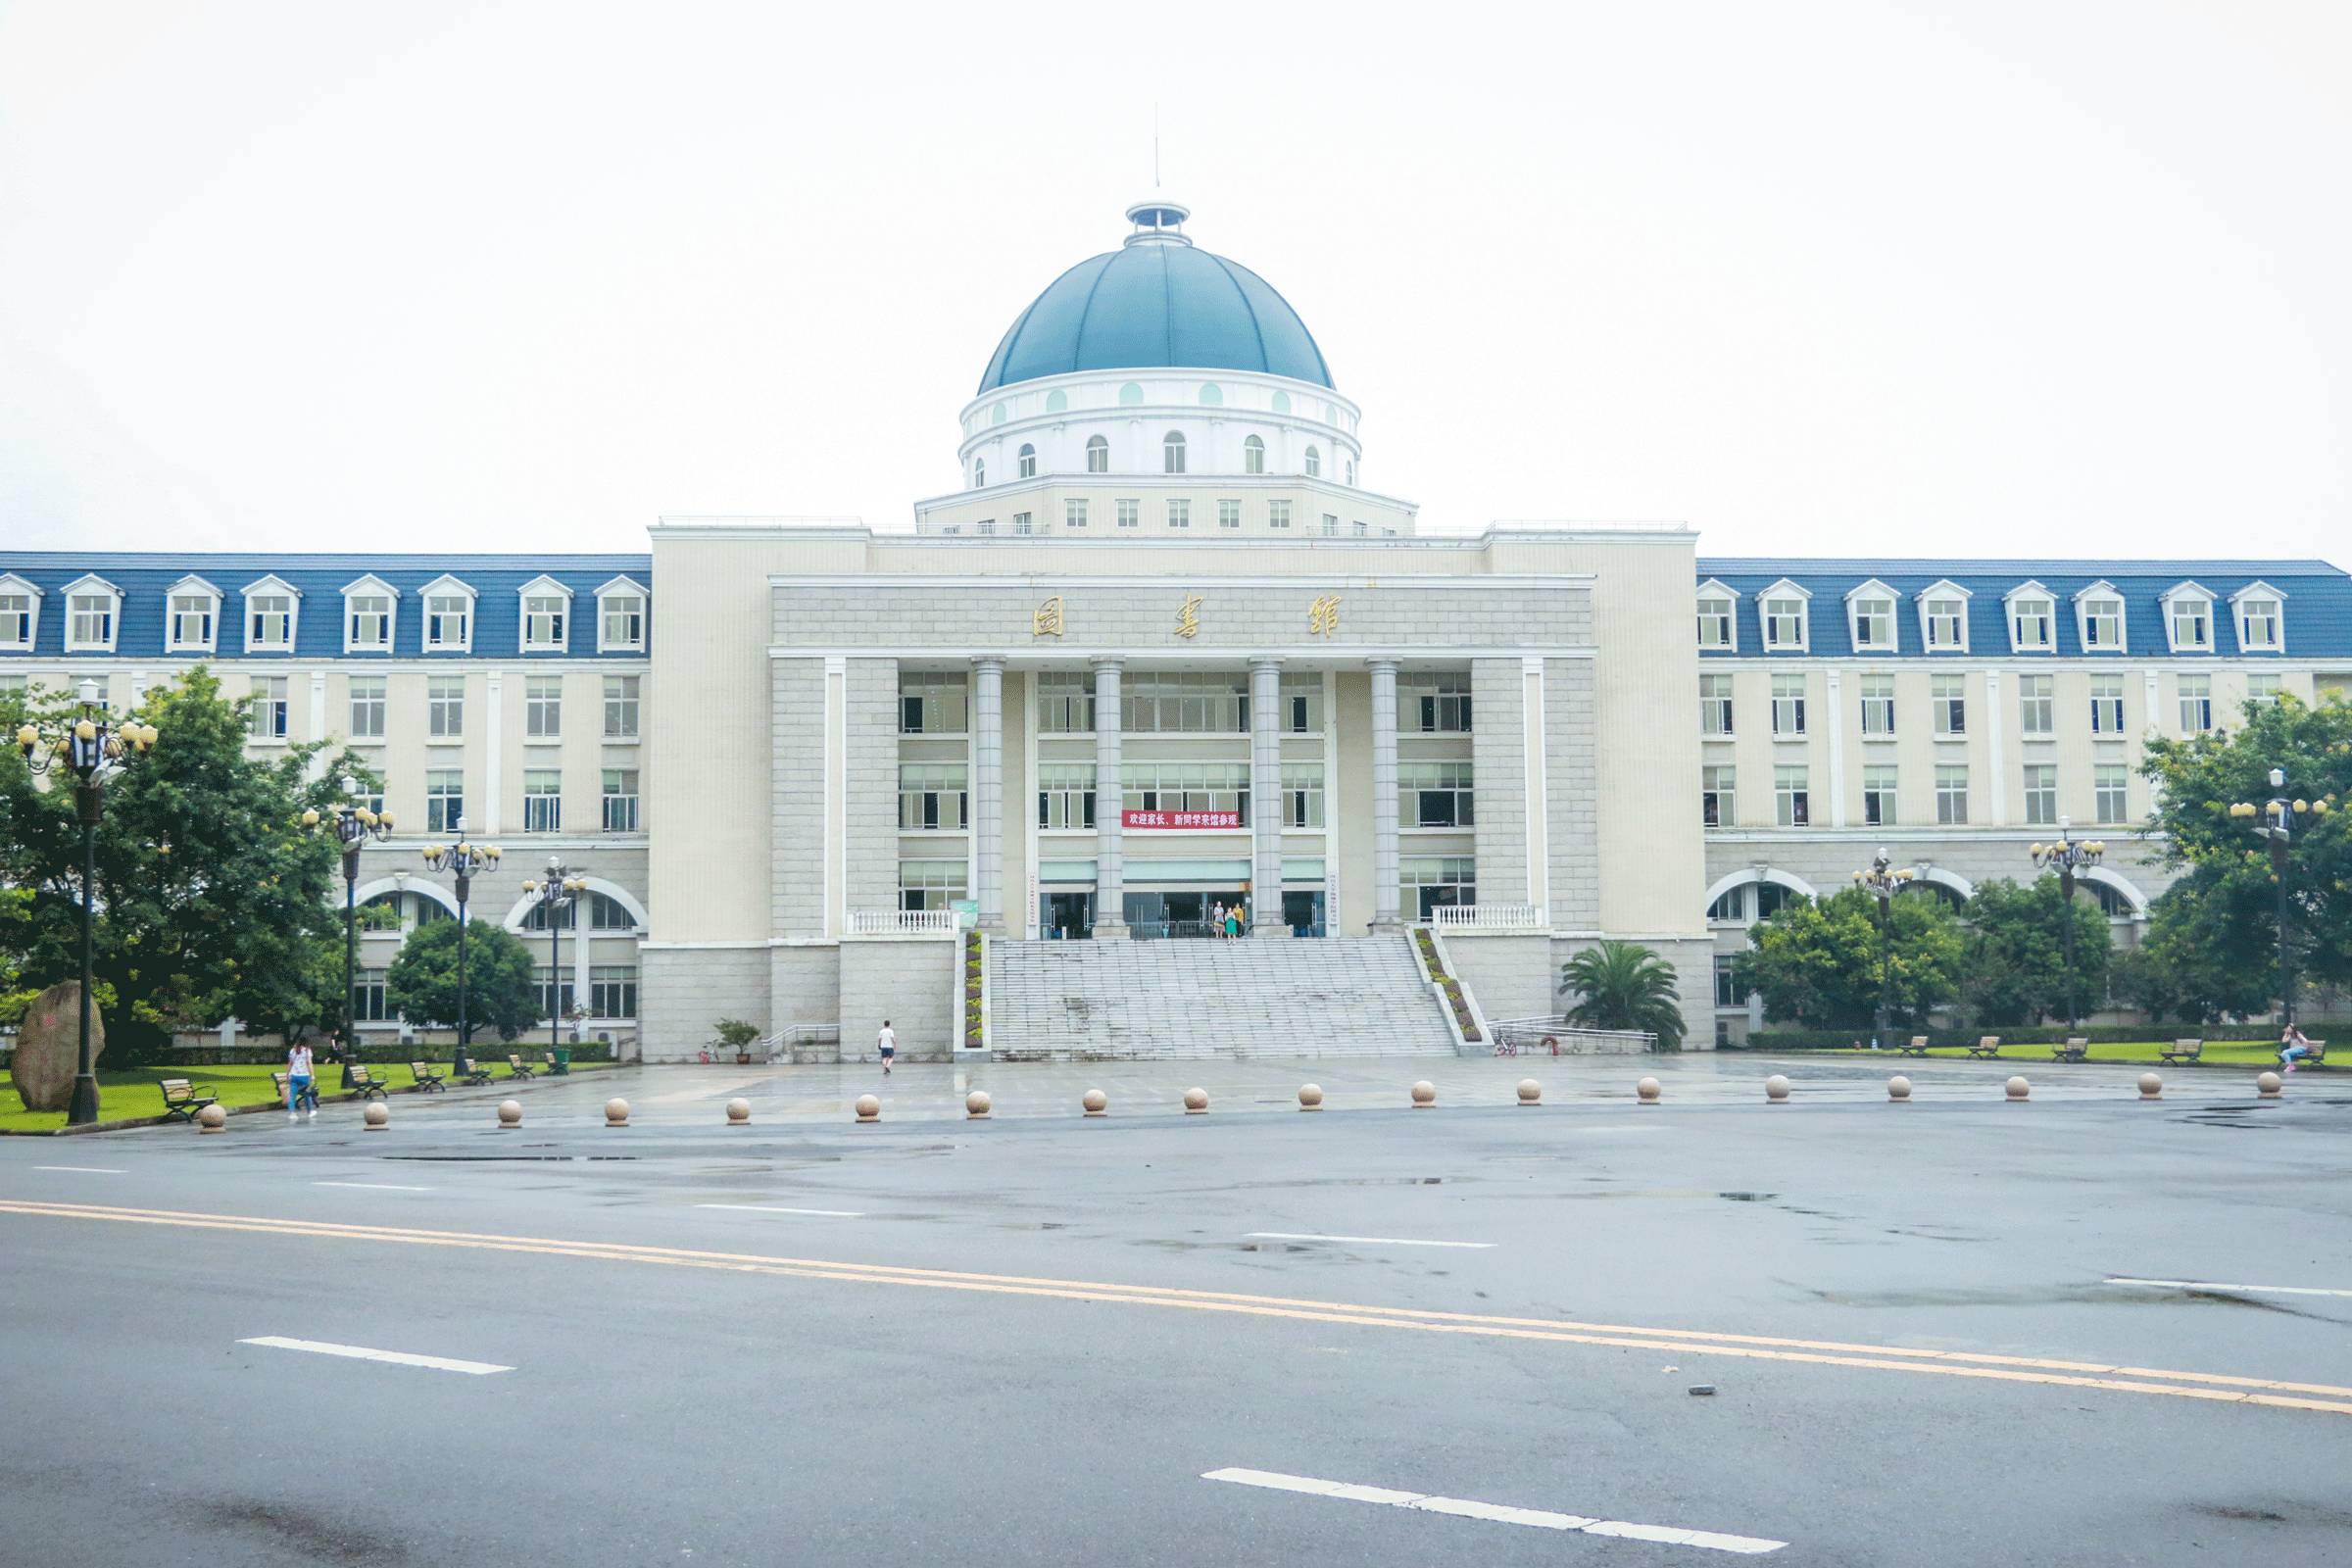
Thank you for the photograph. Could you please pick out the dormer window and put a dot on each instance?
(1715, 620)
(448, 616)
(2032, 625)
(270, 609)
(368, 607)
(620, 617)
(2188, 618)
(1874, 622)
(1784, 607)
(2261, 618)
(91, 607)
(2103, 625)
(191, 617)
(20, 613)
(1943, 617)
(546, 615)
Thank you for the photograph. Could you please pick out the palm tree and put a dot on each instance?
(1625, 986)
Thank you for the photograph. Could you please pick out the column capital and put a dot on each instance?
(1107, 661)
(1380, 664)
(1265, 662)
(988, 661)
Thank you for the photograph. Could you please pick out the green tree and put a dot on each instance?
(502, 991)
(1819, 963)
(2017, 970)
(1623, 985)
(212, 899)
(2214, 935)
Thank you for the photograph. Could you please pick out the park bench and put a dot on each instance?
(478, 1073)
(284, 1080)
(2183, 1051)
(1986, 1046)
(182, 1100)
(2076, 1048)
(428, 1080)
(1916, 1048)
(2316, 1054)
(553, 1067)
(520, 1067)
(370, 1087)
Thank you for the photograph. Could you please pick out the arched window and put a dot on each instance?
(1028, 460)
(1171, 448)
(1282, 403)
(1254, 455)
(1314, 462)
(1130, 395)
(1350, 471)
(995, 415)
(979, 474)
(1098, 455)
(1056, 400)
(1211, 395)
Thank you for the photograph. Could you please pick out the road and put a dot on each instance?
(1466, 1334)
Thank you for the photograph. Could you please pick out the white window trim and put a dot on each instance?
(2258, 589)
(187, 586)
(374, 587)
(2197, 593)
(1786, 589)
(2030, 589)
(1943, 588)
(11, 583)
(624, 587)
(89, 582)
(445, 587)
(1873, 589)
(1715, 588)
(271, 584)
(537, 587)
(2102, 589)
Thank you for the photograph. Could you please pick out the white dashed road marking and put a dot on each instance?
(374, 1187)
(1498, 1513)
(772, 1209)
(1367, 1241)
(360, 1352)
(2242, 1289)
(87, 1170)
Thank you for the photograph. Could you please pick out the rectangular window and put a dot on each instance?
(2110, 793)
(191, 620)
(2192, 624)
(92, 621)
(1180, 513)
(1432, 882)
(272, 617)
(986, 525)
(933, 702)
(2103, 625)
(1130, 512)
(1714, 623)
(2030, 623)
(269, 708)
(448, 621)
(1301, 705)
(1715, 705)
(1303, 795)
(554, 986)
(1784, 623)
(367, 1005)
(620, 800)
(1878, 705)
(370, 622)
(444, 801)
(2042, 794)
(1874, 623)
(623, 621)
(620, 706)
(613, 991)
(542, 800)
(1878, 794)
(1792, 795)
(1278, 515)
(1945, 629)
(1065, 794)
(2261, 688)
(1022, 522)
(1434, 703)
(543, 707)
(1437, 794)
(2258, 625)
(1948, 699)
(1073, 513)
(1229, 514)
(445, 706)
(1788, 705)
(930, 884)
(932, 798)
(1727, 994)
(1718, 801)
(1951, 793)
(543, 620)
(2106, 705)
(2196, 704)
(16, 620)
(2036, 711)
(1331, 525)
(1065, 703)
(366, 708)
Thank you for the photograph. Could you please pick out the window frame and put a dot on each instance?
(27, 614)
(2191, 597)
(2031, 597)
(1875, 687)
(609, 597)
(1861, 617)
(270, 589)
(431, 632)
(108, 613)
(1253, 454)
(2088, 605)
(1787, 704)
(2243, 600)
(1175, 453)
(2202, 697)
(190, 588)
(1727, 616)
(544, 591)
(1947, 705)
(374, 701)
(1715, 705)
(1770, 613)
(1098, 454)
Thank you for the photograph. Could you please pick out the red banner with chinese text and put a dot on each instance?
(1194, 819)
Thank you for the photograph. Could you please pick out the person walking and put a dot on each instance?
(301, 1082)
(2292, 1048)
(888, 1043)
(1216, 919)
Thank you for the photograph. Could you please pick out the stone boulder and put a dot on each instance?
(49, 1048)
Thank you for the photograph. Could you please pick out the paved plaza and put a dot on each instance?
(2081, 1330)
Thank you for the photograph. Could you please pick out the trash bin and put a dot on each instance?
(563, 1060)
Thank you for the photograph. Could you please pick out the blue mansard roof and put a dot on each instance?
(2316, 622)
(146, 581)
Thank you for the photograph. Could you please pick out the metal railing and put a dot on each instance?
(1488, 917)
(901, 922)
(1556, 1036)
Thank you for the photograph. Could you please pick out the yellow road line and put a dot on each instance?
(2217, 1386)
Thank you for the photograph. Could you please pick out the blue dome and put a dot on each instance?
(1158, 302)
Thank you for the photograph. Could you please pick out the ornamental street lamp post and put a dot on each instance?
(94, 751)
(465, 861)
(353, 826)
(2277, 829)
(2065, 857)
(1882, 881)
(558, 893)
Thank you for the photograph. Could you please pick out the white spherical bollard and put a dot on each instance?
(617, 1112)
(509, 1115)
(1531, 1093)
(2017, 1089)
(2270, 1086)
(1425, 1095)
(1196, 1101)
(1095, 1102)
(1310, 1097)
(976, 1106)
(212, 1120)
(869, 1109)
(1898, 1090)
(739, 1112)
(2151, 1087)
(1648, 1091)
(1776, 1089)
(376, 1118)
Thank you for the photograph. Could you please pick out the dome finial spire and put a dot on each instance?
(1158, 222)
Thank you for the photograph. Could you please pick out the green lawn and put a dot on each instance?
(2228, 1052)
(132, 1092)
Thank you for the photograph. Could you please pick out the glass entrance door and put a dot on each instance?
(1065, 916)
(1302, 912)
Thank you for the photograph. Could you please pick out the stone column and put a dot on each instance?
(1265, 799)
(1111, 868)
(1384, 795)
(988, 789)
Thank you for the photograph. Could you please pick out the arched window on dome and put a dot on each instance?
(1254, 455)
(1098, 455)
(1352, 472)
(1056, 400)
(995, 415)
(1282, 403)
(1028, 460)
(1130, 395)
(1314, 462)
(979, 474)
(1171, 448)
(1211, 394)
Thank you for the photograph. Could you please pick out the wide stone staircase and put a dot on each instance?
(1151, 1000)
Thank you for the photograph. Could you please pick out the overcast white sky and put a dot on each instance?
(1879, 279)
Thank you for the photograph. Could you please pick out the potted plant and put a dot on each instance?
(736, 1035)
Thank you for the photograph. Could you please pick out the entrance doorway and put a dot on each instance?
(1302, 912)
(1178, 913)
(1066, 916)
